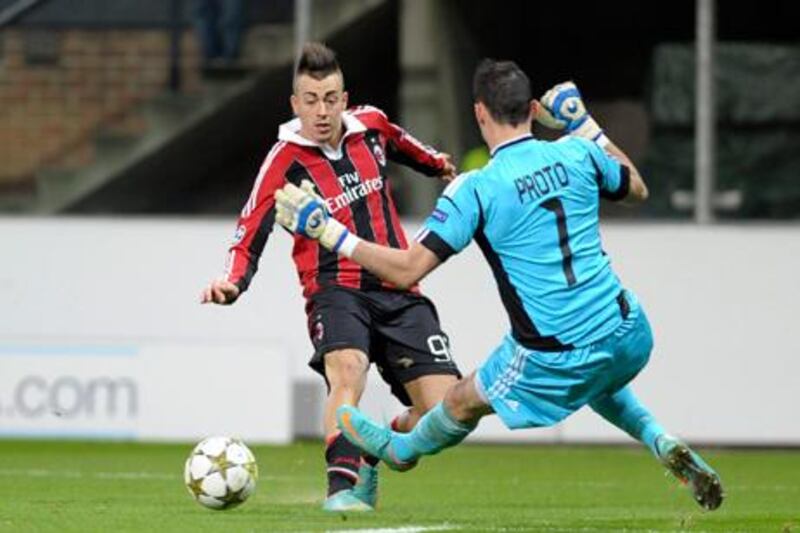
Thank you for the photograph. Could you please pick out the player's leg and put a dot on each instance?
(628, 350)
(425, 392)
(349, 392)
(346, 372)
(405, 421)
(513, 383)
(624, 410)
(445, 424)
(339, 329)
(415, 361)
(631, 346)
(206, 14)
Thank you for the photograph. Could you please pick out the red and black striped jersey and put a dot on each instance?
(353, 181)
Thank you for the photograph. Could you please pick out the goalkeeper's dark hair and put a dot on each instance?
(316, 60)
(504, 89)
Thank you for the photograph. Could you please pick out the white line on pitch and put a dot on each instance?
(73, 474)
(404, 529)
(41, 472)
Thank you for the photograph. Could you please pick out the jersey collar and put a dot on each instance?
(290, 132)
(515, 140)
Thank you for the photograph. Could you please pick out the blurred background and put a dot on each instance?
(131, 132)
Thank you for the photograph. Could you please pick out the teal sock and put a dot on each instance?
(433, 433)
(624, 411)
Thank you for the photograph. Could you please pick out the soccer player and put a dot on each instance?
(354, 318)
(577, 336)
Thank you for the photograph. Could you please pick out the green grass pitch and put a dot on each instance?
(76, 486)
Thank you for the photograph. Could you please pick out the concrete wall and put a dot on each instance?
(722, 301)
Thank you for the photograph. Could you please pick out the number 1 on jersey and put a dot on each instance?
(555, 206)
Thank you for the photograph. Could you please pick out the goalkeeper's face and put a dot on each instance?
(319, 104)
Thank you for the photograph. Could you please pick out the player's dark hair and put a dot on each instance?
(316, 60)
(504, 89)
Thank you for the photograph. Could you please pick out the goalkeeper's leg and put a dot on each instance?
(366, 489)
(424, 393)
(624, 411)
(444, 426)
(453, 409)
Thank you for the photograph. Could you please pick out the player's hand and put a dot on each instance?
(562, 108)
(220, 291)
(302, 211)
(449, 172)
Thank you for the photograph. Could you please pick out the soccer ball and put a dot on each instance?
(221, 472)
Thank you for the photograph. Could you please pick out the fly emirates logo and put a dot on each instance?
(354, 189)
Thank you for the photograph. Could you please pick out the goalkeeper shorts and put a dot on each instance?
(529, 388)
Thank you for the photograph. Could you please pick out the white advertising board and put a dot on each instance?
(163, 391)
(722, 301)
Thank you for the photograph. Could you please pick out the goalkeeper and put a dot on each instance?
(577, 336)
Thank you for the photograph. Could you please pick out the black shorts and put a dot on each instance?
(399, 332)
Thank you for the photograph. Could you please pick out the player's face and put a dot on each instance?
(319, 105)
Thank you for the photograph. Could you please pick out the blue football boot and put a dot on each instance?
(373, 438)
(345, 501)
(366, 489)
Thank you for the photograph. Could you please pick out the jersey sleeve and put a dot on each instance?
(452, 224)
(402, 147)
(256, 220)
(613, 178)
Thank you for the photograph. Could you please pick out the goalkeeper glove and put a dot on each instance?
(301, 210)
(562, 108)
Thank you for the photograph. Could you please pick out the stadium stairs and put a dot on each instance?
(194, 148)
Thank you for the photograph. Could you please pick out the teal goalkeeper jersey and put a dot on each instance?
(534, 212)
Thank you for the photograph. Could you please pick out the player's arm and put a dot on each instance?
(403, 268)
(637, 189)
(447, 231)
(407, 150)
(302, 211)
(252, 231)
(562, 108)
(411, 152)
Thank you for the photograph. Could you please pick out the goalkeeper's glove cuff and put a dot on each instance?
(337, 238)
(348, 245)
(590, 129)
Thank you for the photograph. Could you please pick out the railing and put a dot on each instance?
(16, 10)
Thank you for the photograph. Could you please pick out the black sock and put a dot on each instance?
(370, 460)
(343, 459)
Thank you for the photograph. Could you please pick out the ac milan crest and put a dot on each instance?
(380, 155)
(318, 332)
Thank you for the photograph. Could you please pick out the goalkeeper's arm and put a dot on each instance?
(562, 108)
(403, 268)
(637, 192)
(302, 211)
